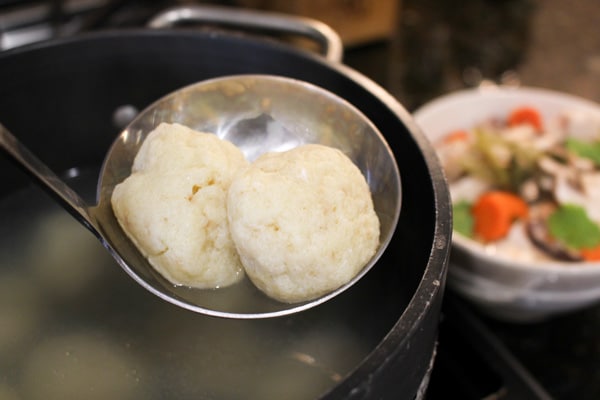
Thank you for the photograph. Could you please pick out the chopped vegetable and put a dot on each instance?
(456, 136)
(584, 149)
(503, 163)
(521, 163)
(462, 218)
(591, 254)
(571, 225)
(494, 212)
(526, 115)
(494, 158)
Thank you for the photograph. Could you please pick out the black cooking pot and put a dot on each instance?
(375, 341)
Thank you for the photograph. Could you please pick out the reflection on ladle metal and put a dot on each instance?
(254, 134)
(268, 113)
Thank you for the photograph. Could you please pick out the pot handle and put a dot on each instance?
(319, 32)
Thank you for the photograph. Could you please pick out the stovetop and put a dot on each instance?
(473, 362)
(482, 358)
(477, 357)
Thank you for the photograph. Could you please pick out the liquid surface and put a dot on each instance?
(74, 325)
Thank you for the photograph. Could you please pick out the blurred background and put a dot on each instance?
(418, 50)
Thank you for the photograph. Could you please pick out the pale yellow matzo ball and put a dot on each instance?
(173, 206)
(303, 221)
(174, 146)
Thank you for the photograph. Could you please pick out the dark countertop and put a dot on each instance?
(440, 47)
(563, 353)
(443, 46)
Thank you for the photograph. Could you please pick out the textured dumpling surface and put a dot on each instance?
(303, 221)
(173, 206)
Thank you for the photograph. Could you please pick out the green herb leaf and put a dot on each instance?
(589, 150)
(462, 218)
(571, 225)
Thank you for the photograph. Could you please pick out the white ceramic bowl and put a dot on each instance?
(500, 286)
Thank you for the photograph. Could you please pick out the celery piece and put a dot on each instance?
(503, 163)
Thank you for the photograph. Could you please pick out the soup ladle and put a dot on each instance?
(258, 113)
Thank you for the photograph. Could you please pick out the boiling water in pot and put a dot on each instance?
(73, 325)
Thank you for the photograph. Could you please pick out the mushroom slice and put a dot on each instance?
(537, 230)
(556, 169)
(581, 125)
(529, 190)
(590, 184)
(585, 192)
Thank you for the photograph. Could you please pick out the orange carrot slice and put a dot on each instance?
(494, 212)
(526, 115)
(456, 136)
(592, 254)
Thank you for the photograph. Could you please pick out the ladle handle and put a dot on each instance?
(44, 176)
(248, 20)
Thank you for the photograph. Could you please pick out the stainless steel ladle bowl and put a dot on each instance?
(258, 113)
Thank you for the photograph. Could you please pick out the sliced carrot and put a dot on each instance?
(456, 136)
(526, 115)
(592, 254)
(494, 212)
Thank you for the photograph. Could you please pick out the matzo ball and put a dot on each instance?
(303, 222)
(174, 146)
(173, 206)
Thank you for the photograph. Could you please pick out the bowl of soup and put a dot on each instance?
(523, 169)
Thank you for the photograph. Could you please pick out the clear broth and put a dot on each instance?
(74, 325)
